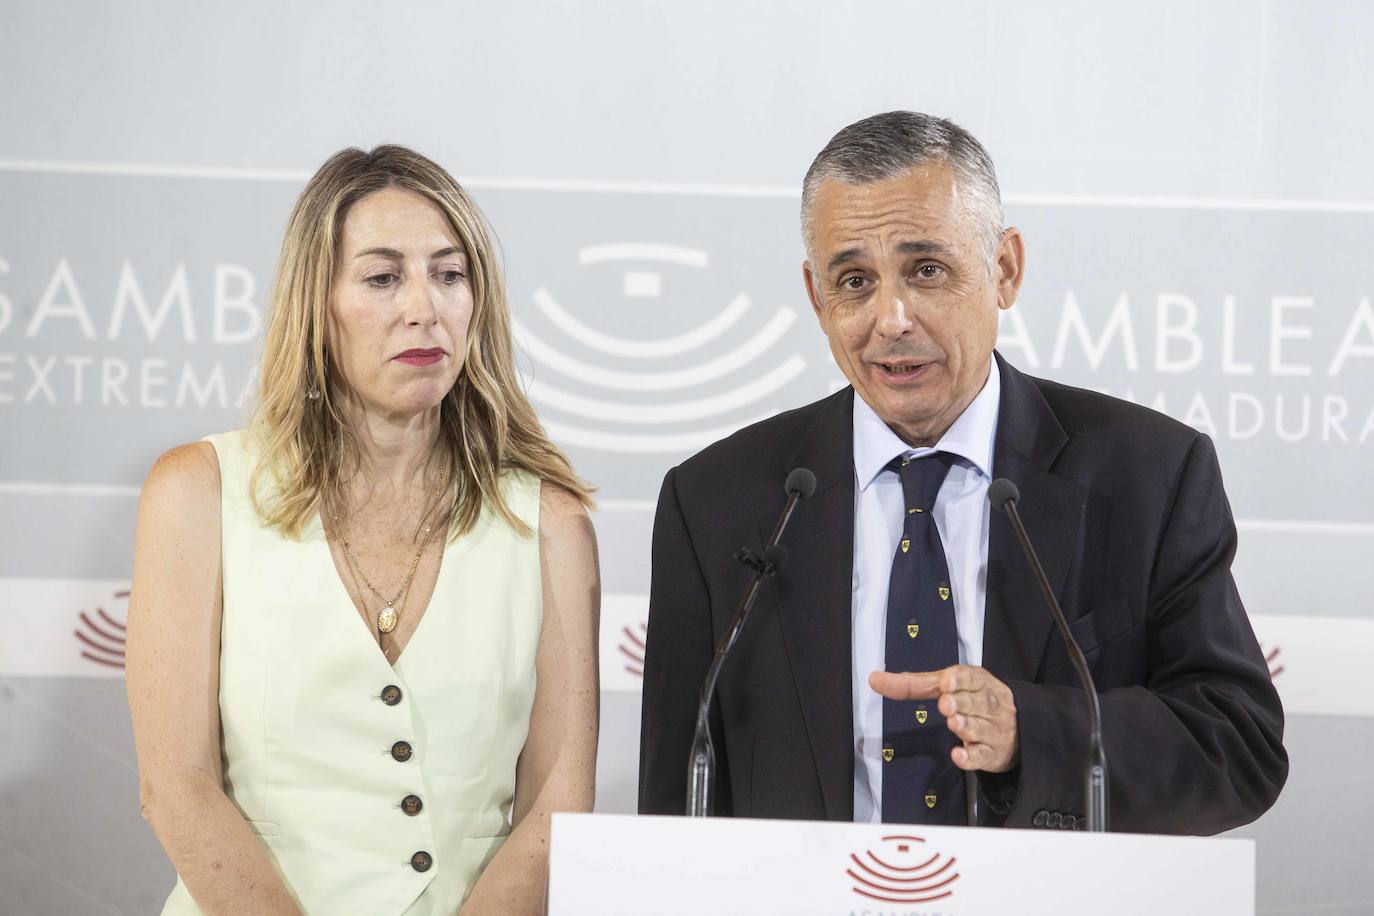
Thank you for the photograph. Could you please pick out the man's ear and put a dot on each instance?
(1010, 268)
(817, 304)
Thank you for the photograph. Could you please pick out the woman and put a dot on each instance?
(362, 635)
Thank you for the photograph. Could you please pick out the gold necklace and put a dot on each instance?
(388, 616)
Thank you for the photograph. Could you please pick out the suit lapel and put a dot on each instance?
(1029, 438)
(813, 600)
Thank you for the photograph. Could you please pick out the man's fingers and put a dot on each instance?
(965, 702)
(903, 685)
(988, 704)
(958, 678)
(972, 756)
(972, 730)
(925, 685)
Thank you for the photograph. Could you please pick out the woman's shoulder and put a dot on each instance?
(558, 505)
(196, 470)
(184, 480)
(543, 505)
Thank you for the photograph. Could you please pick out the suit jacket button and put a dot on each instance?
(421, 861)
(1040, 818)
(391, 694)
(401, 751)
(1054, 820)
(1069, 821)
(411, 805)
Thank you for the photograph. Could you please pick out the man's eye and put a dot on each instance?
(929, 271)
(854, 282)
(380, 281)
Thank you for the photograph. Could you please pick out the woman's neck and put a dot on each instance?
(396, 453)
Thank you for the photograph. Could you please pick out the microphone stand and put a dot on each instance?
(701, 761)
(1095, 778)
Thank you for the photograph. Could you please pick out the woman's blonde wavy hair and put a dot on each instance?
(486, 424)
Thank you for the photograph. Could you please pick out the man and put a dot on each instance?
(903, 666)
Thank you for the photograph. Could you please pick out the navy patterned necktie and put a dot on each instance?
(921, 785)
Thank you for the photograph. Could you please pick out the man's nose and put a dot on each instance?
(895, 317)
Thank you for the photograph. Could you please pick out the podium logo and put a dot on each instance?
(101, 637)
(632, 648)
(903, 870)
(599, 394)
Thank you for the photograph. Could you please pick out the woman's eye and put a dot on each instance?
(450, 276)
(381, 281)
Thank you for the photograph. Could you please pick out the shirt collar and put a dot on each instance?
(970, 437)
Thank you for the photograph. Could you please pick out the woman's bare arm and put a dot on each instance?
(172, 677)
(557, 768)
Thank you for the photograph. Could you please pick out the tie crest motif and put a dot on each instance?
(916, 741)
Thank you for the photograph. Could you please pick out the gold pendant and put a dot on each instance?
(387, 619)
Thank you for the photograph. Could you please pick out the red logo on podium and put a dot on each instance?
(902, 870)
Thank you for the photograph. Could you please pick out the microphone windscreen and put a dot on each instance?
(1002, 491)
(776, 556)
(802, 482)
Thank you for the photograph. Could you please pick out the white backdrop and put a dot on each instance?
(1193, 182)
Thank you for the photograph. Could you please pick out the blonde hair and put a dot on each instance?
(308, 451)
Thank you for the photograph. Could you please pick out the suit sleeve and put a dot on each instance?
(679, 647)
(1198, 748)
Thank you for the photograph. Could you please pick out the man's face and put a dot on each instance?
(901, 285)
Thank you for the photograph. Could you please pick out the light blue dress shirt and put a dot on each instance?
(962, 515)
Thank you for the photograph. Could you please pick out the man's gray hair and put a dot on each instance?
(887, 145)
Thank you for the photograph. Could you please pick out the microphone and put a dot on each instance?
(1003, 495)
(701, 762)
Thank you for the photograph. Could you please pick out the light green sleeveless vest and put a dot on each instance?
(308, 739)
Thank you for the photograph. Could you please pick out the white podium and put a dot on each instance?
(602, 865)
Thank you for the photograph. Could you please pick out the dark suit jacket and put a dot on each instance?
(1126, 509)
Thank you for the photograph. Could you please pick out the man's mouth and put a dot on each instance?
(902, 370)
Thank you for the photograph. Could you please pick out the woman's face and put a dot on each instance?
(402, 300)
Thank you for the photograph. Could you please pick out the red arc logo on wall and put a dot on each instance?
(101, 636)
(903, 870)
(1271, 658)
(632, 648)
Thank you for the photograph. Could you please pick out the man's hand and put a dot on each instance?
(978, 708)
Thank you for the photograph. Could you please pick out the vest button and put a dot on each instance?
(391, 694)
(401, 751)
(421, 861)
(411, 805)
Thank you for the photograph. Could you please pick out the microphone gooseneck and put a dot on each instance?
(701, 761)
(1003, 494)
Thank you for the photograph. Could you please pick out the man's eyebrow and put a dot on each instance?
(922, 246)
(843, 256)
